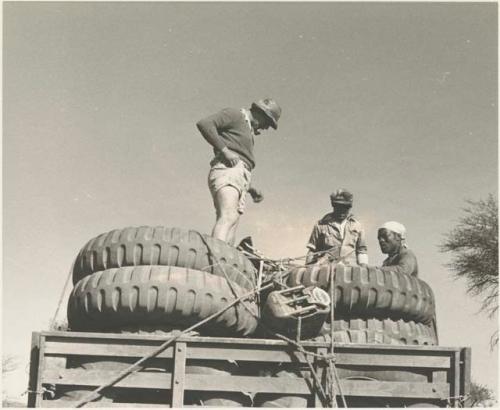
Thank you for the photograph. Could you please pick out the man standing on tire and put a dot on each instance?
(392, 240)
(338, 237)
(231, 134)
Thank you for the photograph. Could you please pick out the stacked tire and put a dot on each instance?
(161, 279)
(166, 277)
(372, 305)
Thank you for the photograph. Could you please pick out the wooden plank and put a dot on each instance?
(392, 360)
(72, 404)
(319, 366)
(159, 380)
(276, 354)
(82, 377)
(246, 341)
(455, 386)
(368, 388)
(440, 376)
(178, 375)
(248, 384)
(273, 354)
(102, 348)
(466, 374)
(33, 377)
(41, 363)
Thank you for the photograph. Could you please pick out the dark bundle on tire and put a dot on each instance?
(158, 295)
(164, 246)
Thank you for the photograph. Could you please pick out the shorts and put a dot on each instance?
(238, 177)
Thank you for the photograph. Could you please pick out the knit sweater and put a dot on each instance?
(229, 128)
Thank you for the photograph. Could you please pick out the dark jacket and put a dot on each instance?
(403, 262)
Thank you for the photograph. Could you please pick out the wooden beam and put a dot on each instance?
(275, 354)
(320, 367)
(72, 404)
(178, 377)
(392, 360)
(466, 374)
(41, 362)
(368, 388)
(33, 377)
(101, 348)
(455, 385)
(82, 377)
(242, 341)
(158, 380)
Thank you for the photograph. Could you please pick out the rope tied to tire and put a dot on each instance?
(135, 366)
(327, 395)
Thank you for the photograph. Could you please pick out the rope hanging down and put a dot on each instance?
(328, 398)
(135, 366)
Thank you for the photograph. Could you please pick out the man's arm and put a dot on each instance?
(209, 128)
(311, 245)
(362, 249)
(407, 264)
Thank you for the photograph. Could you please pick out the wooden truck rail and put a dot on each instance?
(411, 374)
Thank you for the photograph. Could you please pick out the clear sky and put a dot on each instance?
(395, 101)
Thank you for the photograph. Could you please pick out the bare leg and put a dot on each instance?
(232, 233)
(226, 206)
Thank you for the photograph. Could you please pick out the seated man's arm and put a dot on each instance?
(407, 264)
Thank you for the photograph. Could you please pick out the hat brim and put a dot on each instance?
(341, 202)
(272, 121)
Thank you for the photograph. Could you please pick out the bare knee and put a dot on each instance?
(228, 216)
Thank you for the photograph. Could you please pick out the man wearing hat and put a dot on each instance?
(231, 134)
(338, 236)
(392, 241)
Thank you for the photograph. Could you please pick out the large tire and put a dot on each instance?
(374, 331)
(370, 292)
(157, 295)
(159, 245)
(280, 400)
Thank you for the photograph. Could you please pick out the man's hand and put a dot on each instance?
(256, 195)
(231, 159)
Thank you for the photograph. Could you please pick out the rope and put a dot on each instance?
(53, 321)
(133, 367)
(299, 347)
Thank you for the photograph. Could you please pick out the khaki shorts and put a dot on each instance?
(238, 177)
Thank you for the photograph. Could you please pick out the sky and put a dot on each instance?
(396, 102)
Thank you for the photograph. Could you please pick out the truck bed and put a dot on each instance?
(370, 375)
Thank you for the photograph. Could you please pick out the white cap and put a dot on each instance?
(397, 228)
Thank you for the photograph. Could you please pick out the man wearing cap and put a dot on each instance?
(338, 236)
(231, 134)
(392, 241)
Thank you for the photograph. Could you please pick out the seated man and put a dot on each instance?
(338, 237)
(392, 241)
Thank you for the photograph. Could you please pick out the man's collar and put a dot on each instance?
(247, 115)
(328, 218)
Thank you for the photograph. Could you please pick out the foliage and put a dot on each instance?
(481, 396)
(9, 364)
(473, 244)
